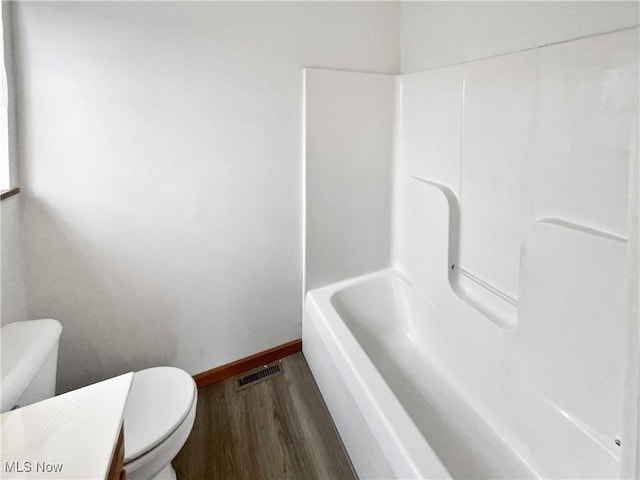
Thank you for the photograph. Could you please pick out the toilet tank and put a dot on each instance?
(29, 359)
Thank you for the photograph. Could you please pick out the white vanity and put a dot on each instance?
(77, 435)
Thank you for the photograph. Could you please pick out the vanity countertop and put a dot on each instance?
(70, 436)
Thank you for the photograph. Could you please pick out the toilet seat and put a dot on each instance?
(159, 401)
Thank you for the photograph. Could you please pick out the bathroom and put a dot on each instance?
(189, 171)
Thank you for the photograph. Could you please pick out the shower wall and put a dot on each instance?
(517, 138)
(349, 125)
(511, 215)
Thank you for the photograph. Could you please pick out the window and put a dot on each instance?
(5, 179)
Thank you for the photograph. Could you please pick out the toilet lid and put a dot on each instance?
(158, 402)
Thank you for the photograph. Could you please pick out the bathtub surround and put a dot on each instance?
(496, 345)
(347, 171)
(515, 141)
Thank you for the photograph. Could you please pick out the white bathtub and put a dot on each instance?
(397, 415)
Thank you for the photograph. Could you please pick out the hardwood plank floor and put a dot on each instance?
(279, 429)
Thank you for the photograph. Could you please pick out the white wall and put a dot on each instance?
(435, 34)
(349, 120)
(13, 305)
(161, 160)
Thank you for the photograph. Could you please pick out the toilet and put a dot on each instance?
(158, 416)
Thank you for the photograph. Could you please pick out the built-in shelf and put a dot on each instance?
(496, 305)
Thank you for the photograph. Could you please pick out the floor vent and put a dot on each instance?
(258, 375)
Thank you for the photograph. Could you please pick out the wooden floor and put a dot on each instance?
(276, 429)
